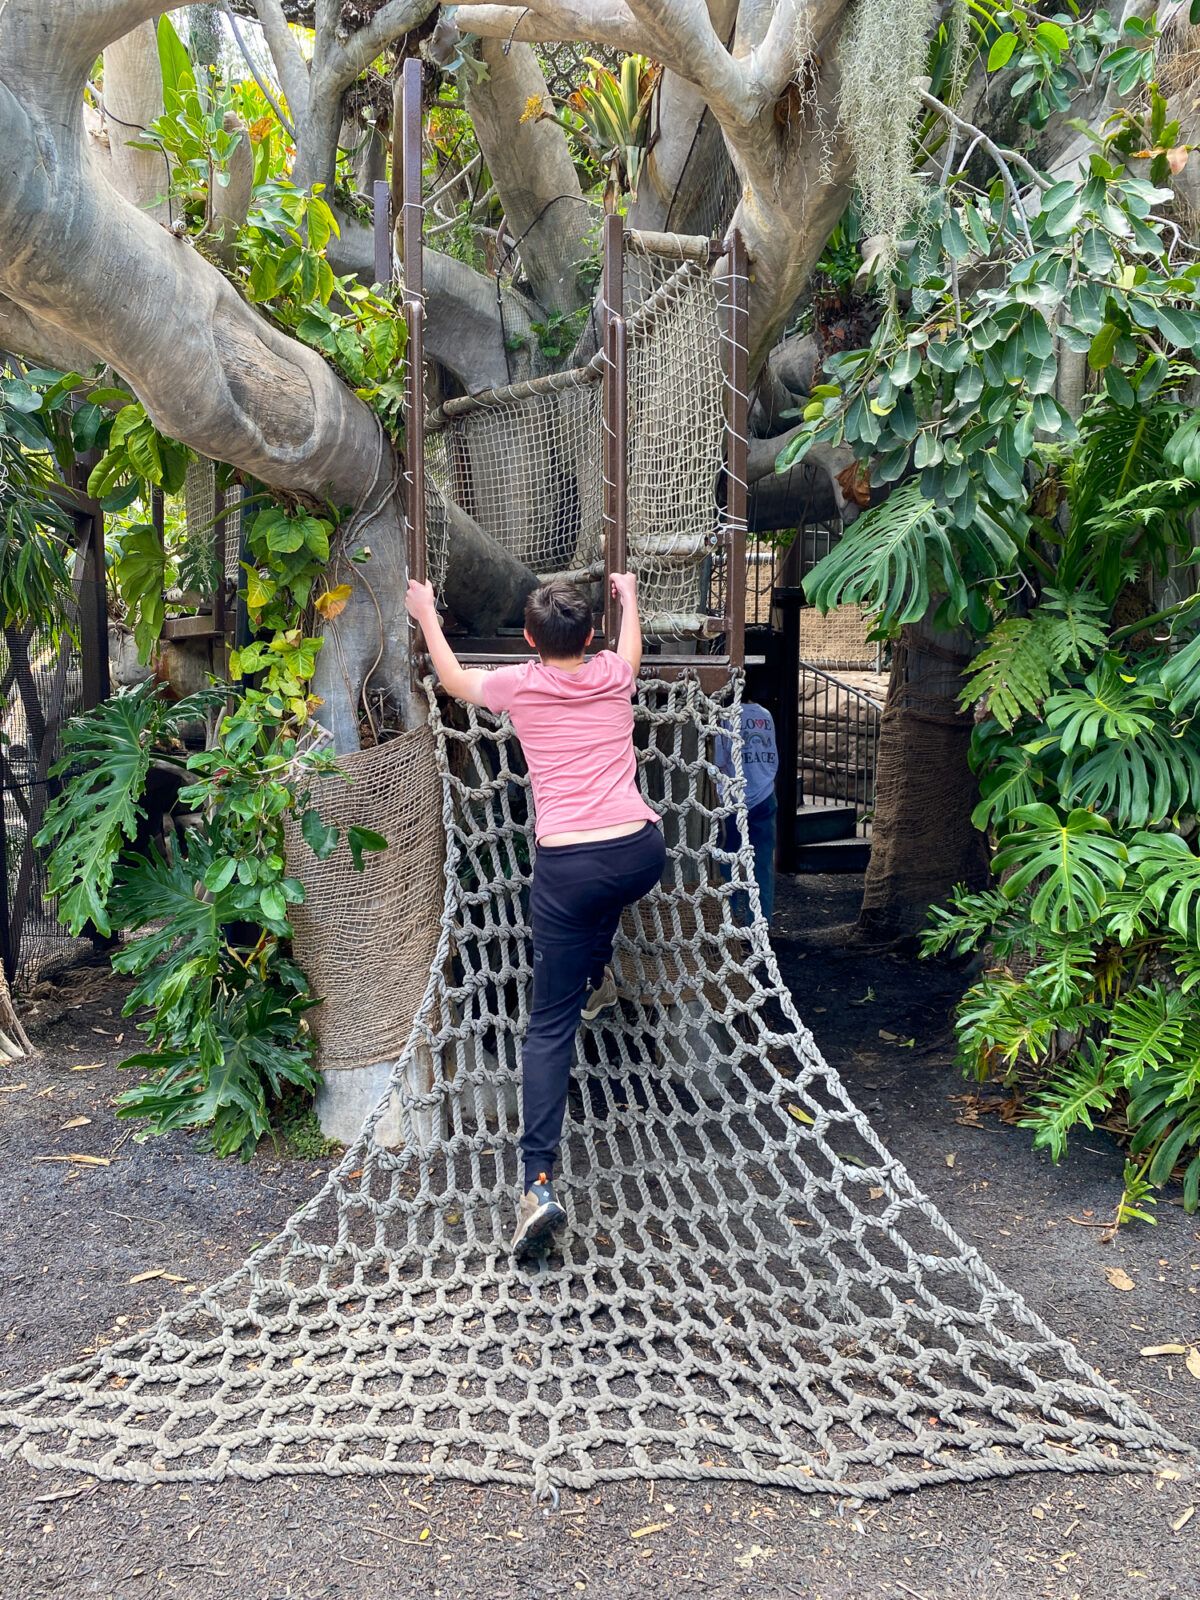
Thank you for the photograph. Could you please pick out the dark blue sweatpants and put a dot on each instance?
(579, 892)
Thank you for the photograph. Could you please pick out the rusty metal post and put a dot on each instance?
(736, 447)
(414, 309)
(616, 421)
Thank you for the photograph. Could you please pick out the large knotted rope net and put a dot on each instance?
(527, 462)
(750, 1287)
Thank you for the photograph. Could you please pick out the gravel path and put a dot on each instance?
(79, 1241)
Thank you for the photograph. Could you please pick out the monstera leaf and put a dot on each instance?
(884, 560)
(1070, 866)
(1138, 779)
(1169, 872)
(108, 752)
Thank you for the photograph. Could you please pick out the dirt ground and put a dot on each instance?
(91, 1250)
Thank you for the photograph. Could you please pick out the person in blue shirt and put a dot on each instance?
(760, 765)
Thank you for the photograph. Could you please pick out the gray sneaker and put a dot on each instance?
(539, 1215)
(602, 998)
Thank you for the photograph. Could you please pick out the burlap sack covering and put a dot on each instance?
(366, 939)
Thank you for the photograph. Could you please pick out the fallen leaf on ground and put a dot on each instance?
(1193, 1362)
(651, 1527)
(1118, 1277)
(77, 1122)
(86, 1066)
(801, 1116)
(1163, 1350)
(1183, 1519)
(951, 1158)
(747, 1561)
(145, 1277)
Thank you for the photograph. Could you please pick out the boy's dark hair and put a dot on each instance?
(559, 619)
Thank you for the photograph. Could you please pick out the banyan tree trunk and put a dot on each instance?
(922, 840)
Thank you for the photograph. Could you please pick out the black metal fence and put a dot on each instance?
(838, 744)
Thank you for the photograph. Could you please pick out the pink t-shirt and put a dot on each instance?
(576, 729)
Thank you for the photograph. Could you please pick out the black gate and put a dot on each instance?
(42, 685)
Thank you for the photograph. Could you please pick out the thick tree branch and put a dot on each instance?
(290, 66)
(534, 174)
(389, 23)
(554, 21)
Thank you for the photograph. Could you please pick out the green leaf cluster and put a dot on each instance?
(218, 999)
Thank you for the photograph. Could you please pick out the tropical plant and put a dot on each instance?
(610, 115)
(1041, 529)
(221, 1002)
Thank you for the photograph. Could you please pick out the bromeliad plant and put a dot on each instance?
(1041, 524)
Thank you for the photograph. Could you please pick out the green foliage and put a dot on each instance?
(192, 133)
(136, 455)
(1023, 656)
(284, 269)
(34, 532)
(107, 754)
(611, 116)
(220, 1002)
(1042, 533)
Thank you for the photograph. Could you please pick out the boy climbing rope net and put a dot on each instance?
(599, 846)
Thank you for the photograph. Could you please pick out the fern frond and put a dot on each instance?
(1004, 1019)
(1024, 656)
(1079, 1091)
(1146, 1030)
(1066, 974)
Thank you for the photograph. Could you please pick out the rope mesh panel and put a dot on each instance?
(527, 462)
(751, 1286)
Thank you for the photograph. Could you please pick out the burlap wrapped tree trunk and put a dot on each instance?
(366, 938)
(923, 842)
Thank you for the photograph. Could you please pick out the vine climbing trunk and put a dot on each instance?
(923, 841)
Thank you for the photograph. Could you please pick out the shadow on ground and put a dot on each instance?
(91, 1251)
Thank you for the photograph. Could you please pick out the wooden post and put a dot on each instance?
(616, 421)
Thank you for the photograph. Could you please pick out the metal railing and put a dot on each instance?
(838, 744)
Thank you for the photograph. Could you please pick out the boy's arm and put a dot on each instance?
(464, 683)
(629, 642)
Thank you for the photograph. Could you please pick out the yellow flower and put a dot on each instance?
(535, 107)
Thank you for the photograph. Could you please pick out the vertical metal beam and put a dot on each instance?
(615, 417)
(414, 310)
(383, 232)
(736, 447)
(787, 725)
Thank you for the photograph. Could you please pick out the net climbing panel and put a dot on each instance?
(639, 451)
(750, 1287)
